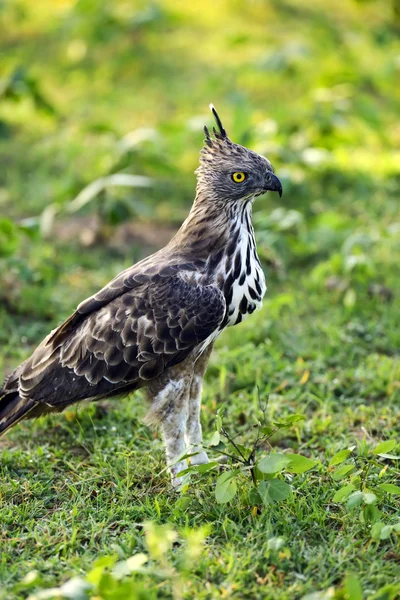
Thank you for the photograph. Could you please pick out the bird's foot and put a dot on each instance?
(200, 458)
(175, 470)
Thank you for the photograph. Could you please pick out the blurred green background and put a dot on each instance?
(92, 88)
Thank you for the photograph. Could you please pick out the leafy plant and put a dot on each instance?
(360, 470)
(269, 474)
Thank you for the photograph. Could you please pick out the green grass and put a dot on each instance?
(78, 487)
(313, 88)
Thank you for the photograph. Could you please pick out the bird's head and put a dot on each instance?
(231, 172)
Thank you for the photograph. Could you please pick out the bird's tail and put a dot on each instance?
(13, 408)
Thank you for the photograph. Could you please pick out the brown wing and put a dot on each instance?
(131, 339)
(145, 272)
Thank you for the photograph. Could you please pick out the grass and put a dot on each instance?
(82, 485)
(311, 87)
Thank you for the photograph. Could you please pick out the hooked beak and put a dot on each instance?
(272, 183)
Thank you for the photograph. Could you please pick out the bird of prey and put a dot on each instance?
(153, 326)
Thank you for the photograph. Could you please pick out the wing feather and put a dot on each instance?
(123, 343)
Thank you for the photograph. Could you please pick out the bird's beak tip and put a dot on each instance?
(273, 184)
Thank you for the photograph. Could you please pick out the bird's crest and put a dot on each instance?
(219, 154)
(219, 135)
(216, 143)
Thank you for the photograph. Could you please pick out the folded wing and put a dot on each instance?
(122, 343)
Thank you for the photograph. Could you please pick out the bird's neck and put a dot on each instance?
(210, 224)
(205, 229)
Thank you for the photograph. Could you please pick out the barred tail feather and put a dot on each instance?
(13, 408)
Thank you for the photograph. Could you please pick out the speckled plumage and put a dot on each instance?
(154, 324)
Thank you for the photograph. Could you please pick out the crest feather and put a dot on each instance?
(222, 133)
(207, 140)
(217, 144)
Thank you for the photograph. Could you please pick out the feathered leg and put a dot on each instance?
(194, 435)
(175, 399)
(174, 429)
(169, 396)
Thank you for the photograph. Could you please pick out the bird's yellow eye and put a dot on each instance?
(238, 177)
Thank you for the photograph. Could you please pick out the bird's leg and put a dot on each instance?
(194, 437)
(169, 407)
(173, 428)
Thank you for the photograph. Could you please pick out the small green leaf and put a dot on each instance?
(352, 587)
(370, 514)
(207, 467)
(192, 469)
(275, 543)
(341, 472)
(376, 530)
(396, 528)
(267, 430)
(343, 493)
(131, 565)
(390, 488)
(355, 499)
(384, 447)
(386, 532)
(215, 439)
(289, 421)
(369, 498)
(254, 497)
(391, 456)
(218, 418)
(99, 566)
(183, 503)
(226, 487)
(300, 464)
(274, 463)
(295, 418)
(277, 490)
(339, 457)
(201, 469)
